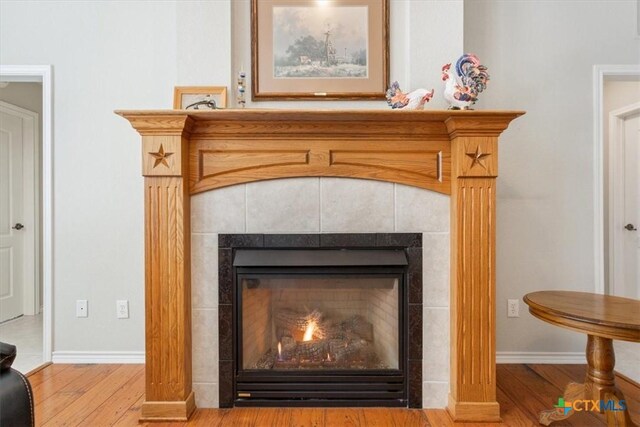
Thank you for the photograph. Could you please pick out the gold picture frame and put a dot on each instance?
(319, 50)
(199, 97)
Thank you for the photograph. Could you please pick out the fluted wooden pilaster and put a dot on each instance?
(168, 392)
(474, 151)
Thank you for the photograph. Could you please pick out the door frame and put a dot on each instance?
(616, 193)
(42, 74)
(31, 206)
(600, 72)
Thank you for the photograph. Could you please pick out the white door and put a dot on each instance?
(11, 216)
(624, 141)
(631, 286)
(19, 205)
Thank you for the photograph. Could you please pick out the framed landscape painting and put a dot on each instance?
(319, 49)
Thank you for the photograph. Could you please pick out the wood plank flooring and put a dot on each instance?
(111, 395)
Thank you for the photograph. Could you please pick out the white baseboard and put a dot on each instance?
(83, 357)
(566, 357)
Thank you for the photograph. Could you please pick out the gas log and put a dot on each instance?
(343, 349)
(312, 350)
(294, 324)
(290, 323)
(328, 342)
(288, 348)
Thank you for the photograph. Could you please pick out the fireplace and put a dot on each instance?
(184, 153)
(321, 320)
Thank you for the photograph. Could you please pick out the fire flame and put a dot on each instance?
(308, 334)
(279, 351)
(328, 357)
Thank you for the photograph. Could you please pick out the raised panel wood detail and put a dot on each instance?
(217, 163)
(214, 163)
(424, 164)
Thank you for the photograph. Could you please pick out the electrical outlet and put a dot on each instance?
(82, 308)
(513, 308)
(122, 309)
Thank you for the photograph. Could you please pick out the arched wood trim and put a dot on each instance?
(216, 163)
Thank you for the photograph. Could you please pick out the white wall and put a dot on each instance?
(105, 56)
(114, 55)
(204, 43)
(129, 55)
(540, 56)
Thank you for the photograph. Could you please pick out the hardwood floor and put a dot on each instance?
(111, 395)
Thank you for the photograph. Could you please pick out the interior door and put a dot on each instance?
(11, 216)
(631, 240)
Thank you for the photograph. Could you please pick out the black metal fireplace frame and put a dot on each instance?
(410, 243)
(322, 388)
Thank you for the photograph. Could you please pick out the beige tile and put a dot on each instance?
(206, 395)
(283, 205)
(421, 210)
(204, 329)
(204, 271)
(356, 205)
(434, 394)
(219, 211)
(435, 344)
(436, 269)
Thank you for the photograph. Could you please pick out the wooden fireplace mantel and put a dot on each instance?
(451, 152)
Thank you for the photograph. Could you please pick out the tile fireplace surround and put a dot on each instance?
(349, 172)
(321, 205)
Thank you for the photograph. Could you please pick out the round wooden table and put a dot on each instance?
(603, 318)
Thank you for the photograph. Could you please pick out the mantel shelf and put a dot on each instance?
(187, 152)
(380, 121)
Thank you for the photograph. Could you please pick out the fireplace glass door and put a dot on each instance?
(320, 327)
(301, 322)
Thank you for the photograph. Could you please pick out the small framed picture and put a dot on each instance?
(199, 97)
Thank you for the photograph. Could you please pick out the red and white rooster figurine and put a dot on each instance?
(465, 82)
(408, 101)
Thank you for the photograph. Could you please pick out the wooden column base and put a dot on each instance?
(474, 411)
(175, 410)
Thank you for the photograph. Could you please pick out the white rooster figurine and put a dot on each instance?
(465, 82)
(408, 101)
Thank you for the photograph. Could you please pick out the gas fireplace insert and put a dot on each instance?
(320, 327)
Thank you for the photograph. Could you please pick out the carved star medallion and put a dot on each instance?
(478, 157)
(161, 157)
